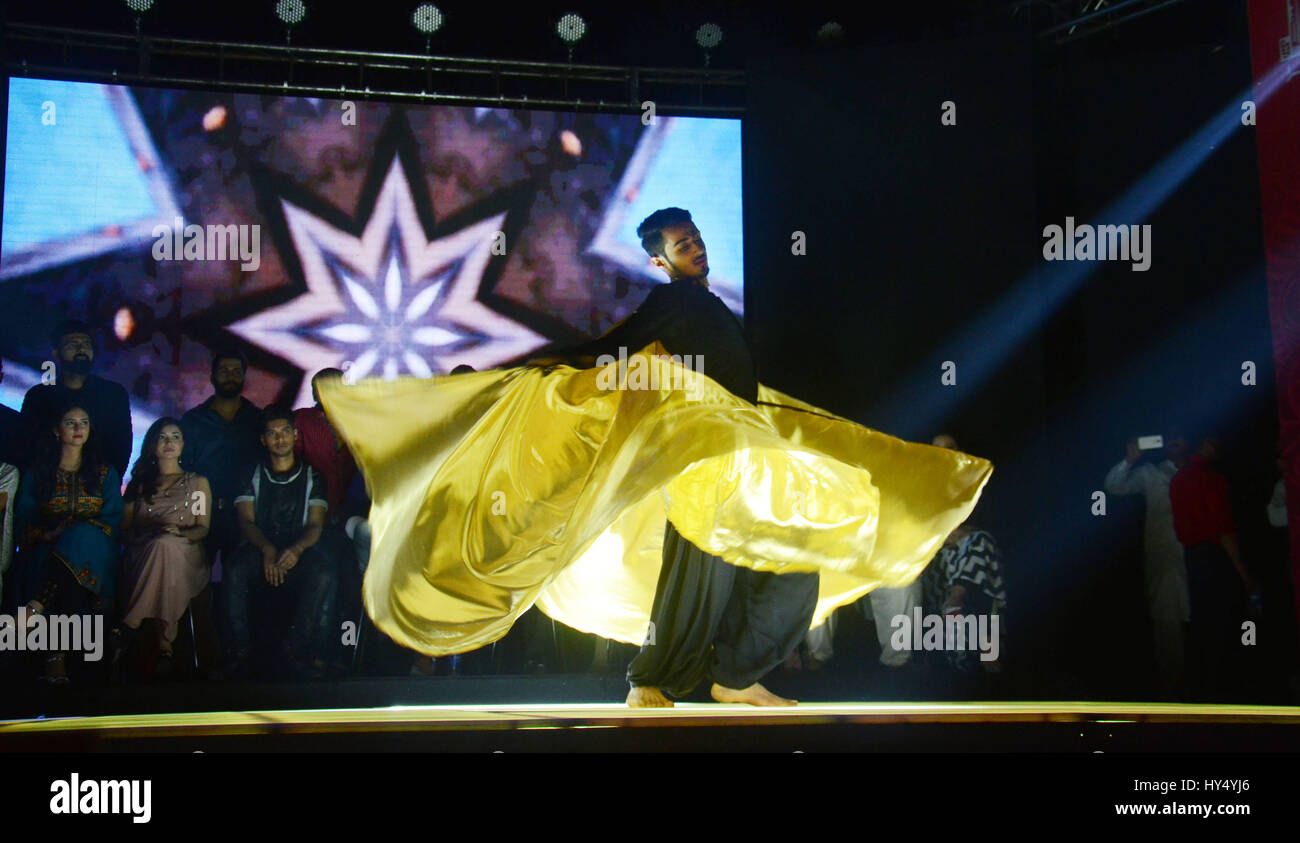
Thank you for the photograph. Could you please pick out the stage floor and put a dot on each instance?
(1036, 726)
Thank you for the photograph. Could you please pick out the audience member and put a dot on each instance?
(69, 513)
(1216, 574)
(9, 477)
(281, 513)
(104, 401)
(222, 444)
(167, 518)
(12, 449)
(965, 577)
(1165, 573)
(320, 447)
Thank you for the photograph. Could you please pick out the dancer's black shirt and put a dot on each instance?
(687, 319)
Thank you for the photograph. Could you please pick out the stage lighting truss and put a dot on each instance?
(285, 70)
(1070, 20)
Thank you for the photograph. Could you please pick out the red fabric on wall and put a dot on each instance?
(1275, 61)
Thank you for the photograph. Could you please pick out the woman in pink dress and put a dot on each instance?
(166, 520)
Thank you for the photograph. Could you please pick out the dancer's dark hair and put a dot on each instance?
(651, 229)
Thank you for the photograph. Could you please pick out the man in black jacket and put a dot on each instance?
(106, 403)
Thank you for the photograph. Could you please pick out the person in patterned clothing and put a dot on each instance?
(965, 577)
(68, 517)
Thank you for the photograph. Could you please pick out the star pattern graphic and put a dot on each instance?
(390, 302)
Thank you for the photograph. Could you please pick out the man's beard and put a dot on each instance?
(226, 389)
(79, 366)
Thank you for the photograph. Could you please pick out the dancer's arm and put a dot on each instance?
(641, 327)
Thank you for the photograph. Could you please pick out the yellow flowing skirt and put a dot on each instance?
(494, 491)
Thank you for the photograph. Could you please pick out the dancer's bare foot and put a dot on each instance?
(755, 694)
(647, 697)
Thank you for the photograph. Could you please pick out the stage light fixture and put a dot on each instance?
(571, 28)
(138, 7)
(290, 11)
(427, 18)
(831, 32)
(708, 36)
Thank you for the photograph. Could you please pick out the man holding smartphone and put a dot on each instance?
(1163, 569)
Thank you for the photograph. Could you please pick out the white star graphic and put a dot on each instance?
(391, 301)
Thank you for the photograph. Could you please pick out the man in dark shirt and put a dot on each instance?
(710, 619)
(281, 513)
(1198, 496)
(222, 443)
(105, 402)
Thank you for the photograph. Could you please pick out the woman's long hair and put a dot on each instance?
(145, 472)
(49, 448)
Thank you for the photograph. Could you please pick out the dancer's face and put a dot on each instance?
(685, 255)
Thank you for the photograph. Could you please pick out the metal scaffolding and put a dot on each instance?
(58, 53)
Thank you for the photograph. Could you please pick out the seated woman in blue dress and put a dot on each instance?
(68, 517)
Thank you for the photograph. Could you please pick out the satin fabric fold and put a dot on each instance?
(495, 490)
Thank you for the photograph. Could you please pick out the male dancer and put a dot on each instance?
(710, 619)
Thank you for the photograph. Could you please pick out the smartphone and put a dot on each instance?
(1148, 443)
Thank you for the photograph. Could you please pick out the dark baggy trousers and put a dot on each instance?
(719, 621)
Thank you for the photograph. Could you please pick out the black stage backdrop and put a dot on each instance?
(915, 229)
(912, 229)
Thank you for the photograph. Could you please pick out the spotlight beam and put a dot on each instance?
(990, 339)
